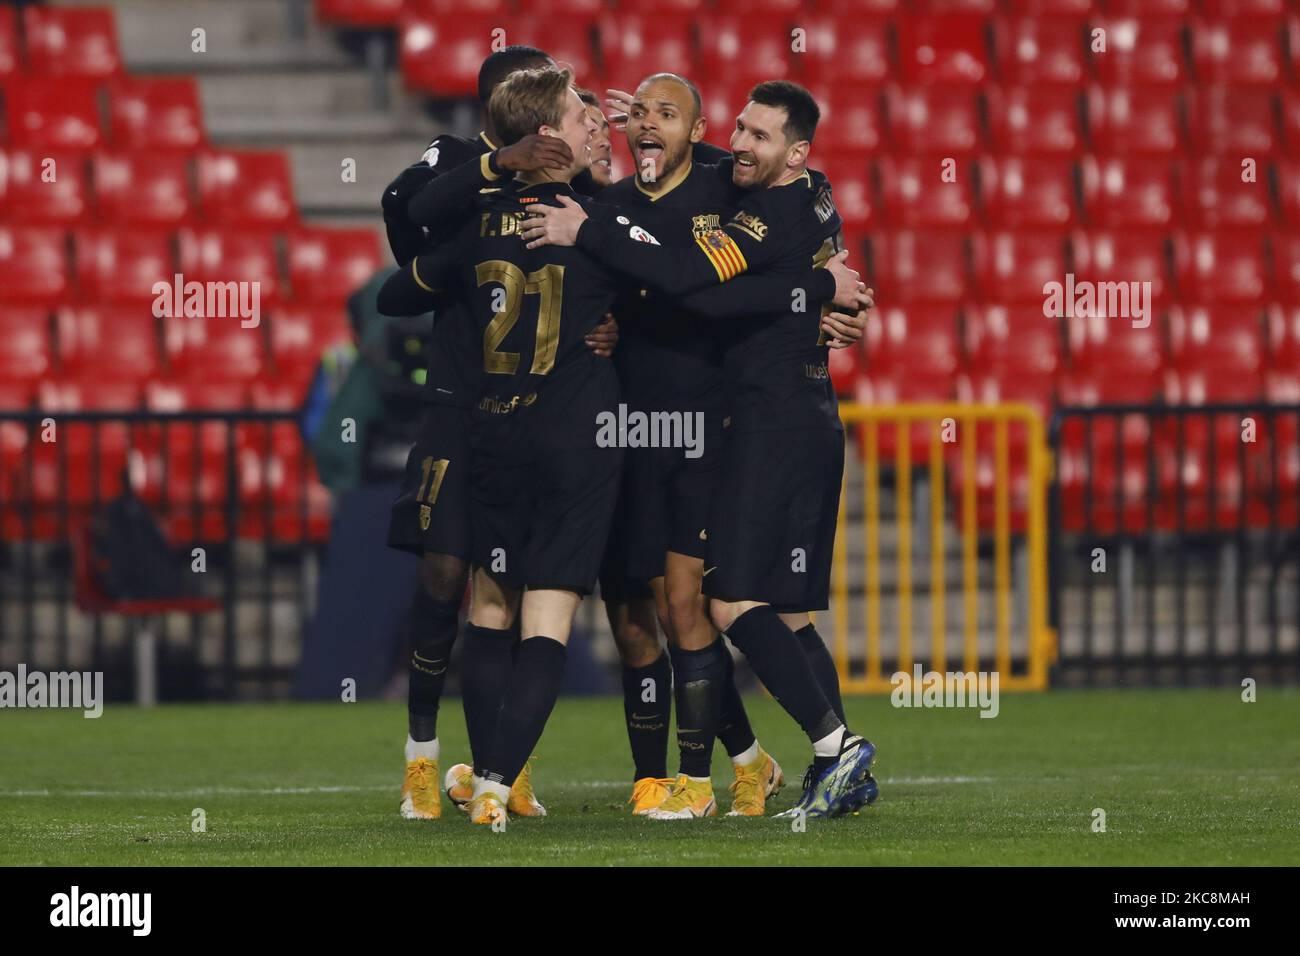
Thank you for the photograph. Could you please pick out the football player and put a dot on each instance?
(430, 518)
(771, 528)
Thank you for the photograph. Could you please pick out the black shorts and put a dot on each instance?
(541, 520)
(771, 530)
(616, 587)
(668, 500)
(432, 513)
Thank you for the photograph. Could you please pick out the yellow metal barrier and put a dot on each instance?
(1019, 654)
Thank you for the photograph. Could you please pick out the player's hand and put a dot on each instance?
(849, 290)
(621, 103)
(603, 337)
(845, 329)
(555, 225)
(535, 151)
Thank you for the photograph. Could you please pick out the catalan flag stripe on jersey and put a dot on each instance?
(723, 252)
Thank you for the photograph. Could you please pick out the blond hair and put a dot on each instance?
(527, 100)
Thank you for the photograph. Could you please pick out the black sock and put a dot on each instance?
(823, 667)
(485, 667)
(647, 720)
(733, 723)
(433, 632)
(698, 680)
(529, 699)
(780, 663)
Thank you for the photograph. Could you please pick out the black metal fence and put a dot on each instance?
(235, 494)
(1176, 543)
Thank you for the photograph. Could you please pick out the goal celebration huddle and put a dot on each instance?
(704, 288)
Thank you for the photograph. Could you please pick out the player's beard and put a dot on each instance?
(763, 175)
(675, 160)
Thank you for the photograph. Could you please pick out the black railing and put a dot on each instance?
(1176, 543)
(235, 495)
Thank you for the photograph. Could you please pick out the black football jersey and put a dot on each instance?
(530, 311)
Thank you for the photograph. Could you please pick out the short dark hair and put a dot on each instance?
(587, 96)
(694, 90)
(802, 112)
(502, 63)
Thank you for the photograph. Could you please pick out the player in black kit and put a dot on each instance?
(771, 526)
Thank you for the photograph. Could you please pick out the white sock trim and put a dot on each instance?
(746, 756)
(829, 746)
(428, 749)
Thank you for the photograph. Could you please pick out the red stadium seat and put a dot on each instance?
(1013, 340)
(1134, 120)
(1235, 120)
(214, 349)
(442, 55)
(912, 266)
(892, 387)
(1035, 119)
(1114, 360)
(299, 334)
(156, 113)
(246, 188)
(361, 13)
(106, 342)
(215, 255)
(1124, 255)
(331, 264)
(845, 368)
(122, 265)
(914, 194)
(1217, 197)
(9, 58)
(851, 121)
(943, 49)
(1032, 50)
(1284, 336)
(634, 45)
(33, 264)
(1286, 265)
(46, 114)
(851, 188)
(1140, 52)
(936, 120)
(745, 50)
(142, 188)
(1227, 340)
(1123, 192)
(1220, 266)
(914, 340)
(26, 351)
(43, 187)
(858, 7)
(1241, 50)
(566, 38)
(850, 58)
(930, 7)
(1015, 266)
(1288, 187)
(1018, 192)
(1243, 8)
(1192, 384)
(79, 41)
(722, 103)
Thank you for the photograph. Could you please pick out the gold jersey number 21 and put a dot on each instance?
(548, 283)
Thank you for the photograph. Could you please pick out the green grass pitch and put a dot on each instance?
(1191, 777)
